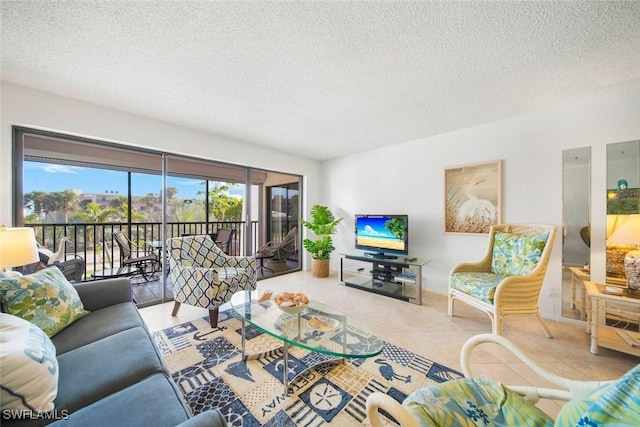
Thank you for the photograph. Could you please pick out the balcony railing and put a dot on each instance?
(96, 244)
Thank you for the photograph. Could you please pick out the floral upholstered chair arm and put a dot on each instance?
(611, 404)
(476, 401)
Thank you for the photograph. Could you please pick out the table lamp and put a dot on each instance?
(17, 248)
(628, 233)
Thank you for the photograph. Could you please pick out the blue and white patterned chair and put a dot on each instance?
(508, 280)
(204, 276)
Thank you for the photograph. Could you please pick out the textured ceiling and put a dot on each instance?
(323, 79)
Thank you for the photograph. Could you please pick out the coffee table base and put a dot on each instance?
(285, 356)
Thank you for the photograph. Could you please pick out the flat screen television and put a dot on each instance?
(383, 236)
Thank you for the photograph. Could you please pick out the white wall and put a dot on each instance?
(406, 178)
(409, 178)
(32, 108)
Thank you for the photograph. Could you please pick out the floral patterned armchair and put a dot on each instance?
(507, 281)
(202, 275)
(472, 401)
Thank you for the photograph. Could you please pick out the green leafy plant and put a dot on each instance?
(323, 224)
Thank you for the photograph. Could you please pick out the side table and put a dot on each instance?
(578, 277)
(603, 335)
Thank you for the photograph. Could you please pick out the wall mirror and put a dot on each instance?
(623, 200)
(576, 191)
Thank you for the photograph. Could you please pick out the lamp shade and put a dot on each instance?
(628, 233)
(17, 247)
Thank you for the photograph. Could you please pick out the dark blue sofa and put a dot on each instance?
(111, 373)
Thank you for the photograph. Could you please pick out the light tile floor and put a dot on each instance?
(430, 332)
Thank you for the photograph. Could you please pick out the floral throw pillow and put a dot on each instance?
(44, 298)
(616, 404)
(517, 255)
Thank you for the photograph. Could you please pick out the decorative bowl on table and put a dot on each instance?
(291, 303)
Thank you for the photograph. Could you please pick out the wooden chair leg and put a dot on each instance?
(176, 307)
(213, 317)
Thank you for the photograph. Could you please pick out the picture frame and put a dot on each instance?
(623, 202)
(473, 197)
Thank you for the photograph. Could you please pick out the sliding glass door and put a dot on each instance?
(87, 190)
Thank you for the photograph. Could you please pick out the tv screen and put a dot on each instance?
(382, 234)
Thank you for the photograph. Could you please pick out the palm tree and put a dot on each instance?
(171, 192)
(43, 203)
(118, 202)
(396, 227)
(93, 214)
(222, 206)
(181, 212)
(36, 201)
(149, 202)
(65, 201)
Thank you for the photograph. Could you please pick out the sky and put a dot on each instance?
(49, 177)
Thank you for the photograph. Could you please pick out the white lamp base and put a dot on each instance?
(632, 269)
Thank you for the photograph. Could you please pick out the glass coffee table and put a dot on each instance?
(318, 328)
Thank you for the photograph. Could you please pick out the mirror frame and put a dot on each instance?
(622, 199)
(576, 221)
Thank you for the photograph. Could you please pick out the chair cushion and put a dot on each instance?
(87, 376)
(611, 404)
(482, 286)
(473, 401)
(517, 255)
(28, 366)
(45, 298)
(154, 401)
(97, 325)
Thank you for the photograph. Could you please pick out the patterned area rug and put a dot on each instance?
(207, 366)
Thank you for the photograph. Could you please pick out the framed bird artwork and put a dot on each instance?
(473, 197)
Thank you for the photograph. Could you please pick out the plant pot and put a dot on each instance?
(320, 267)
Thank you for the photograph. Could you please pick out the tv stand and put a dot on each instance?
(395, 277)
(380, 255)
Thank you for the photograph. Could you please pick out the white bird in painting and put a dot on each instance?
(59, 255)
(474, 206)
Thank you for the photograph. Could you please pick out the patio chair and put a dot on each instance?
(73, 269)
(204, 276)
(223, 239)
(507, 281)
(489, 403)
(281, 251)
(144, 260)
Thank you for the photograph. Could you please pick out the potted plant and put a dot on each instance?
(323, 224)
